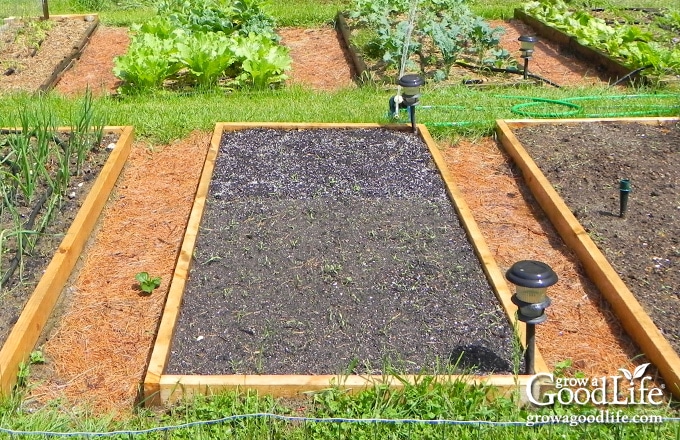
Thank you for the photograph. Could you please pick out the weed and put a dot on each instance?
(147, 283)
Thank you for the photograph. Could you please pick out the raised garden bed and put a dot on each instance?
(28, 303)
(573, 168)
(315, 253)
(35, 53)
(654, 68)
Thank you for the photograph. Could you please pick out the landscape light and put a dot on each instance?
(531, 279)
(410, 93)
(526, 46)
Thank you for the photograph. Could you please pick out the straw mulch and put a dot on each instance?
(580, 326)
(97, 355)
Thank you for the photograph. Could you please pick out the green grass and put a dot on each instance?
(165, 116)
(425, 400)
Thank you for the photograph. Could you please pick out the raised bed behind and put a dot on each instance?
(614, 68)
(30, 324)
(48, 68)
(580, 238)
(161, 387)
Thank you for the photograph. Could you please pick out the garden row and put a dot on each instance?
(203, 43)
(637, 39)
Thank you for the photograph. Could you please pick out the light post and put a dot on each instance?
(531, 279)
(526, 46)
(410, 94)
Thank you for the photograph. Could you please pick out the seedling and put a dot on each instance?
(147, 283)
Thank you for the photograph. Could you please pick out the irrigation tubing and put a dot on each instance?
(506, 70)
(26, 227)
(294, 419)
(630, 74)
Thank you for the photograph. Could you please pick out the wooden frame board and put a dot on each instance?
(26, 332)
(630, 313)
(160, 388)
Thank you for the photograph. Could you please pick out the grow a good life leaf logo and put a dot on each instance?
(633, 388)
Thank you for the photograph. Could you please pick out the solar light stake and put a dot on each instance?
(531, 279)
(527, 43)
(410, 85)
(624, 191)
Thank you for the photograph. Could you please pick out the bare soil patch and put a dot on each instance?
(329, 251)
(585, 163)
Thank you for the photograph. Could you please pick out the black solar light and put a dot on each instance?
(531, 280)
(410, 93)
(527, 43)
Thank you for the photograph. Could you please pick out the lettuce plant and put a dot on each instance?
(147, 63)
(263, 61)
(206, 56)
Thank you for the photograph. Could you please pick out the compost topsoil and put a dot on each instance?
(585, 164)
(17, 290)
(334, 251)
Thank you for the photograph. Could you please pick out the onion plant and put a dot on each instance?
(36, 165)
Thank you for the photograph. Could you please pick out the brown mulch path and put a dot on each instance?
(320, 58)
(95, 67)
(30, 72)
(549, 60)
(98, 352)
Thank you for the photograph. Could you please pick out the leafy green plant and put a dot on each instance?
(263, 62)
(635, 46)
(199, 42)
(147, 283)
(206, 56)
(149, 61)
(437, 32)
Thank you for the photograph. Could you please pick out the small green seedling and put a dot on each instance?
(147, 283)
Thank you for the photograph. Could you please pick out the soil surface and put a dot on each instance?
(585, 164)
(330, 251)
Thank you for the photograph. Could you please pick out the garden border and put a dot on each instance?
(160, 388)
(628, 310)
(28, 328)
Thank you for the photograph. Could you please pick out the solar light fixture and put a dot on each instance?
(410, 85)
(526, 46)
(531, 279)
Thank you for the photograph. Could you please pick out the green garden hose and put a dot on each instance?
(572, 108)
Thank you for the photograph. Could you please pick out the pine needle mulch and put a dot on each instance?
(580, 325)
(97, 355)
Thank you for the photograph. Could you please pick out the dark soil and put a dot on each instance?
(334, 251)
(16, 292)
(585, 163)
